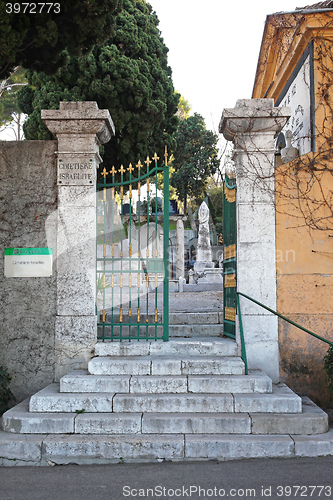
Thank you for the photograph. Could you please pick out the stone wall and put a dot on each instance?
(48, 325)
(28, 198)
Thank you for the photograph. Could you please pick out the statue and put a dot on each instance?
(204, 249)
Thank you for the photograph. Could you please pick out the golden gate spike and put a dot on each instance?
(148, 161)
(166, 156)
(104, 173)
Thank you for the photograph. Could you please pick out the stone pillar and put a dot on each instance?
(180, 248)
(79, 127)
(252, 126)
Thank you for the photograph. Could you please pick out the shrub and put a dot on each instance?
(328, 366)
(6, 394)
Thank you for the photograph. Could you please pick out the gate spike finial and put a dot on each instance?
(130, 168)
(139, 165)
(166, 156)
(104, 173)
(148, 161)
(122, 170)
(113, 171)
(155, 157)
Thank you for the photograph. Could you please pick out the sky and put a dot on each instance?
(214, 47)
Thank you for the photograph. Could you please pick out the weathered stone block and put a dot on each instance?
(20, 447)
(134, 365)
(314, 446)
(229, 383)
(20, 421)
(108, 423)
(196, 423)
(237, 447)
(85, 449)
(212, 366)
(166, 366)
(50, 400)
(195, 347)
(312, 420)
(122, 349)
(282, 400)
(158, 384)
(75, 338)
(81, 381)
(172, 403)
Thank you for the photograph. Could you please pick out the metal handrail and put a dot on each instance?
(282, 317)
(241, 331)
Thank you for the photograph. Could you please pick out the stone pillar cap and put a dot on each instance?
(252, 115)
(82, 117)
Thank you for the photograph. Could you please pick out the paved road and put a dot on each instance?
(257, 479)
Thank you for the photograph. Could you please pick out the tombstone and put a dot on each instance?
(204, 249)
(126, 208)
(132, 231)
(204, 269)
(173, 210)
(159, 202)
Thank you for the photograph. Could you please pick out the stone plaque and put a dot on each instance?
(28, 262)
(76, 172)
(298, 98)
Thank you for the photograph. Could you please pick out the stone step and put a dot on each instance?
(175, 318)
(281, 400)
(166, 365)
(311, 421)
(63, 449)
(184, 331)
(80, 381)
(193, 331)
(190, 347)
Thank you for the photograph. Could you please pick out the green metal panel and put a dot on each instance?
(132, 261)
(229, 257)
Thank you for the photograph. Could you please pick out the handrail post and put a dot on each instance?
(241, 331)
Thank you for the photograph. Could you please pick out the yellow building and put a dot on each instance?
(295, 68)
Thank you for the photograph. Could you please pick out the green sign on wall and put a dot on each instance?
(28, 262)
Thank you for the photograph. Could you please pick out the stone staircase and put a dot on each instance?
(186, 399)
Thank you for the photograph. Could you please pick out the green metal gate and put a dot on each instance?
(229, 256)
(132, 253)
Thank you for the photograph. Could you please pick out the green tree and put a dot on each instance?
(127, 74)
(10, 114)
(184, 108)
(196, 158)
(38, 38)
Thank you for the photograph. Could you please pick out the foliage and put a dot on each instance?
(328, 366)
(156, 205)
(216, 207)
(184, 108)
(127, 74)
(101, 284)
(9, 110)
(6, 394)
(40, 40)
(196, 158)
